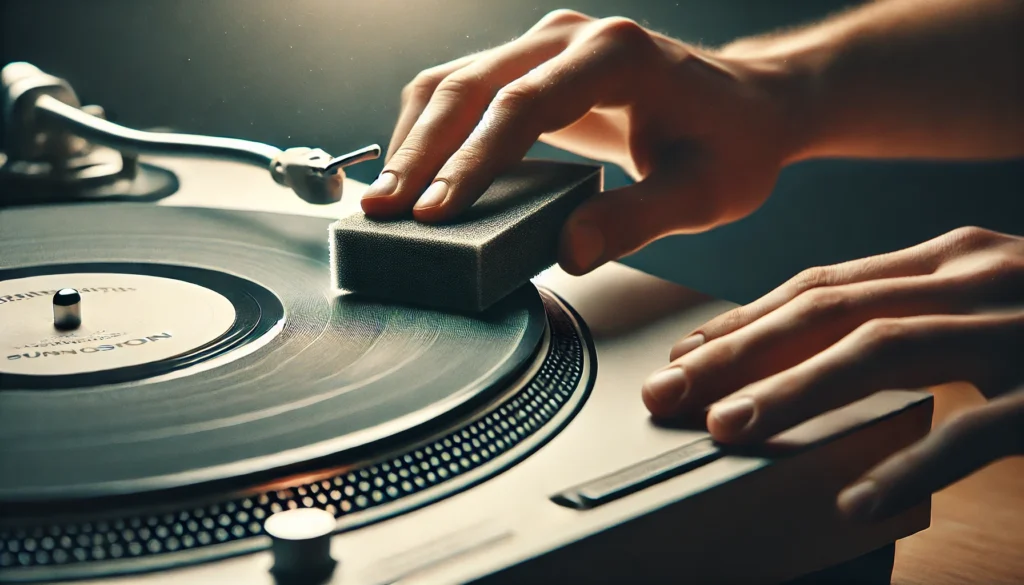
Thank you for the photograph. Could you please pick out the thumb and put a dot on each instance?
(951, 452)
(618, 222)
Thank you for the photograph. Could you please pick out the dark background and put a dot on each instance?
(327, 73)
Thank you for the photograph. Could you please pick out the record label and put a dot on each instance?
(125, 320)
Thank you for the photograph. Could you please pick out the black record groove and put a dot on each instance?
(478, 447)
(341, 374)
(127, 477)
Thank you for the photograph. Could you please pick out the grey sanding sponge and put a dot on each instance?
(506, 238)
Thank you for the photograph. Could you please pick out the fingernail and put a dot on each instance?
(687, 345)
(587, 245)
(385, 185)
(666, 388)
(860, 500)
(733, 414)
(433, 196)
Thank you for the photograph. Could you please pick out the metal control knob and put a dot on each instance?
(301, 544)
(67, 309)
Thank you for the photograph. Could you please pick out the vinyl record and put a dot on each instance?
(298, 372)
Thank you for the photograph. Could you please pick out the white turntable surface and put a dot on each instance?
(632, 318)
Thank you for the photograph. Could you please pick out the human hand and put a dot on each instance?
(704, 136)
(950, 309)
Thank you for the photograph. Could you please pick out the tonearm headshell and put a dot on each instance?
(58, 150)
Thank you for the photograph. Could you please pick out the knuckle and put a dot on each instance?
(881, 335)
(972, 233)
(730, 321)
(810, 278)
(462, 89)
(621, 31)
(561, 17)
(514, 97)
(468, 161)
(998, 426)
(823, 303)
(420, 88)
(406, 156)
(412, 150)
(718, 327)
(717, 354)
(967, 237)
(961, 426)
(981, 429)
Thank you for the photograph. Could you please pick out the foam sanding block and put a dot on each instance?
(506, 238)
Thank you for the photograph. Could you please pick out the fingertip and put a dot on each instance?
(436, 205)
(657, 409)
(664, 391)
(435, 196)
(571, 269)
(384, 197)
(732, 420)
(566, 256)
(582, 247)
(860, 501)
(430, 215)
(615, 223)
(384, 185)
(383, 207)
(652, 403)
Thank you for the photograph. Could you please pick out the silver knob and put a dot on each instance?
(301, 544)
(67, 309)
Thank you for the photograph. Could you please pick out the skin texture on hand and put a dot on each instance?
(705, 138)
(936, 79)
(951, 309)
(705, 133)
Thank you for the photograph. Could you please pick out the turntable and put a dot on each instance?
(186, 398)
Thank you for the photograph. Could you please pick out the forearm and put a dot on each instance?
(903, 78)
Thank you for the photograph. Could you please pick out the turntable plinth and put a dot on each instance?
(469, 492)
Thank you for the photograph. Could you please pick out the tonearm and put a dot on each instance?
(58, 149)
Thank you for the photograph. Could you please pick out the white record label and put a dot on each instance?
(126, 320)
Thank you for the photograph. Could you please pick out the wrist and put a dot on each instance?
(790, 73)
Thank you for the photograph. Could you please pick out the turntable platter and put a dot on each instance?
(324, 372)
